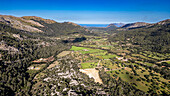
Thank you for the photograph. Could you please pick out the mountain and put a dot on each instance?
(41, 25)
(93, 25)
(135, 25)
(20, 23)
(116, 24)
(24, 39)
(111, 26)
(52, 28)
(102, 29)
(164, 22)
(154, 37)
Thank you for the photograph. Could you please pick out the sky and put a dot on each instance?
(90, 11)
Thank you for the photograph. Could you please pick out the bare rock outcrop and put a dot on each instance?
(20, 23)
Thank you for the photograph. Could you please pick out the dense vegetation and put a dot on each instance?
(14, 64)
(152, 38)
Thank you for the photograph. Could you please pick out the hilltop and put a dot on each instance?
(40, 25)
(116, 24)
(135, 25)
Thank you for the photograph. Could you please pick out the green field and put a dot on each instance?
(167, 62)
(84, 50)
(74, 48)
(89, 65)
(109, 56)
(146, 63)
(100, 53)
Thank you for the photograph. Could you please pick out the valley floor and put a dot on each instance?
(85, 62)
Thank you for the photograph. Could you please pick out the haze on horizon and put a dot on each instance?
(90, 11)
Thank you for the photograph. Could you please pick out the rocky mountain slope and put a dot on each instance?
(53, 28)
(111, 26)
(40, 25)
(164, 22)
(20, 23)
(153, 37)
(135, 25)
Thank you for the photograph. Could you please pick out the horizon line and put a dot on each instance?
(79, 22)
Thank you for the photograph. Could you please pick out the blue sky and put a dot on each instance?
(90, 11)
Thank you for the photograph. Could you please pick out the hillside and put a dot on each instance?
(135, 25)
(52, 28)
(154, 37)
(116, 24)
(20, 23)
(24, 40)
(42, 26)
(111, 26)
(17, 49)
(102, 30)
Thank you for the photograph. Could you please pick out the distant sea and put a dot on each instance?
(94, 25)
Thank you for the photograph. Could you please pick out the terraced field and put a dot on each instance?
(64, 53)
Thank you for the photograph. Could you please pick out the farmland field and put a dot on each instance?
(64, 53)
(89, 65)
(118, 64)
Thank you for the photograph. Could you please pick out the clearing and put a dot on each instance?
(53, 65)
(64, 53)
(92, 73)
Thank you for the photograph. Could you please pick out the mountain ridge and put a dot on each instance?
(150, 36)
(41, 25)
(117, 24)
(135, 25)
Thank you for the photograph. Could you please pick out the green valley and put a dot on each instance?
(41, 57)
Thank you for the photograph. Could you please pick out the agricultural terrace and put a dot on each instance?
(53, 64)
(64, 53)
